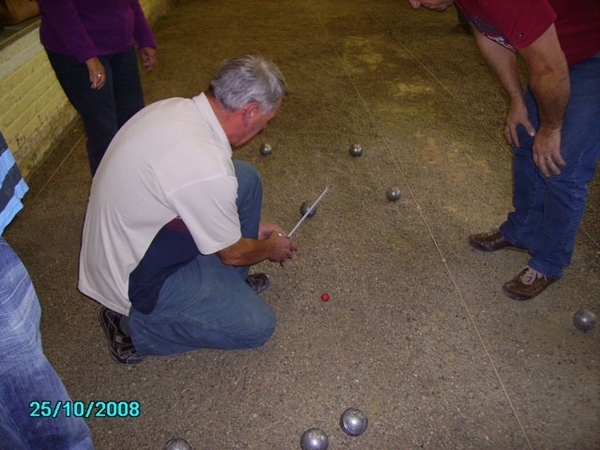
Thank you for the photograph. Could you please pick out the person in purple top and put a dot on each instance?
(91, 47)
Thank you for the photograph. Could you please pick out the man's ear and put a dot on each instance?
(249, 112)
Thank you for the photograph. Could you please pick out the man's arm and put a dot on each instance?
(549, 82)
(245, 252)
(504, 64)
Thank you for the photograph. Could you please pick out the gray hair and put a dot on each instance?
(245, 79)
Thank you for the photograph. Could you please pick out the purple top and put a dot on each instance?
(88, 28)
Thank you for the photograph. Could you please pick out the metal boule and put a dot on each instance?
(304, 207)
(355, 150)
(266, 149)
(314, 439)
(393, 194)
(354, 421)
(177, 444)
(585, 320)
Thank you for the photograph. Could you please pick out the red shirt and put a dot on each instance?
(518, 23)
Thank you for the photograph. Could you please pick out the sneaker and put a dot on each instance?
(527, 284)
(259, 282)
(491, 241)
(120, 344)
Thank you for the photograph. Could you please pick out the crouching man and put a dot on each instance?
(174, 224)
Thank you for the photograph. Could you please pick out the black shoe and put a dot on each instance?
(120, 345)
(259, 282)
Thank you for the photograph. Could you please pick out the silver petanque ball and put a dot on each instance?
(314, 439)
(266, 149)
(585, 320)
(177, 444)
(355, 150)
(304, 208)
(393, 194)
(353, 421)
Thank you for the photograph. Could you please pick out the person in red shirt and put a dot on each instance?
(553, 125)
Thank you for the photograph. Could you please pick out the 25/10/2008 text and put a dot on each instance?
(94, 408)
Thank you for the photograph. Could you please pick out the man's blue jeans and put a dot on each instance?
(103, 111)
(548, 210)
(25, 373)
(205, 303)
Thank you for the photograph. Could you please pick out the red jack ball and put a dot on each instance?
(325, 296)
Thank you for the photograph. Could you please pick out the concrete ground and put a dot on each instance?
(417, 332)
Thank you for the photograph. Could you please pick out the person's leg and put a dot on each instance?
(529, 189)
(26, 376)
(548, 210)
(95, 106)
(205, 304)
(249, 202)
(127, 87)
(560, 202)
(173, 246)
(566, 194)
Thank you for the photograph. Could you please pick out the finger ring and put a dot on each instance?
(99, 75)
(548, 158)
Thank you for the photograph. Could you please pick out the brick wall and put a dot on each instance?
(34, 112)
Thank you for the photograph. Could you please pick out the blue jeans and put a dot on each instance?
(548, 211)
(25, 373)
(205, 303)
(103, 111)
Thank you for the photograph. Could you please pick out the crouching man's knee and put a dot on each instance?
(261, 330)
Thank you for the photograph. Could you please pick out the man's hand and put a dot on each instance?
(517, 115)
(283, 247)
(546, 151)
(265, 229)
(273, 243)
